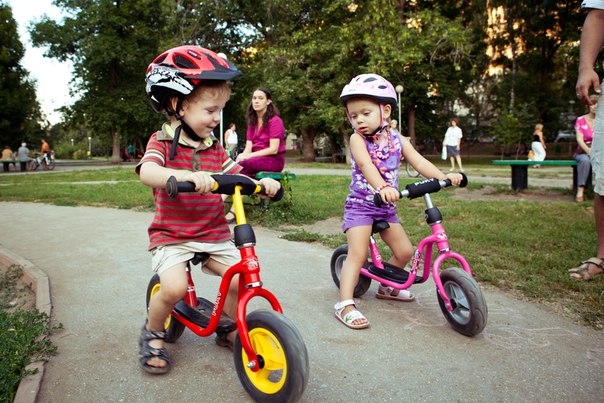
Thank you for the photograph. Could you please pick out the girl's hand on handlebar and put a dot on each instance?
(271, 186)
(203, 181)
(390, 194)
(454, 178)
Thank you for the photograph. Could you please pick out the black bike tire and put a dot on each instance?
(280, 332)
(173, 328)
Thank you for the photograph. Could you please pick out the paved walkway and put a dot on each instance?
(98, 268)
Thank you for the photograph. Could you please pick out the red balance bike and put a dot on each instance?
(270, 356)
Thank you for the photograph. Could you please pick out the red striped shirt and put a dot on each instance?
(190, 216)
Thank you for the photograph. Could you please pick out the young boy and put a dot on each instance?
(188, 84)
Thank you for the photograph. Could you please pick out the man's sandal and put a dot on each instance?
(147, 352)
(394, 294)
(351, 316)
(582, 272)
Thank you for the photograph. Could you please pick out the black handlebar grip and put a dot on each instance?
(377, 199)
(418, 189)
(173, 187)
(464, 180)
(279, 195)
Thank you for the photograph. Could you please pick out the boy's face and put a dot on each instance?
(365, 115)
(202, 113)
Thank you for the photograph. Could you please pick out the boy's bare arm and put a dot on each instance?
(156, 176)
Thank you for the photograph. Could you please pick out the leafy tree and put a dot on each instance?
(20, 117)
(535, 42)
(110, 43)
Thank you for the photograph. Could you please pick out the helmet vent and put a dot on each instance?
(183, 62)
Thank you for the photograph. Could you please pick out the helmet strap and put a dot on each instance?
(175, 143)
(190, 132)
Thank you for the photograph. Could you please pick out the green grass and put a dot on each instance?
(24, 335)
(519, 246)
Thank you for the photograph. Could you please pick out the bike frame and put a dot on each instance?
(423, 250)
(250, 286)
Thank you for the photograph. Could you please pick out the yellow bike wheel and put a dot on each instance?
(283, 358)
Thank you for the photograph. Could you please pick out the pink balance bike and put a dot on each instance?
(270, 356)
(459, 296)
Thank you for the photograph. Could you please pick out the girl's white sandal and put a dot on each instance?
(350, 316)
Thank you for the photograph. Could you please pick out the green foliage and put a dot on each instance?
(24, 337)
(19, 109)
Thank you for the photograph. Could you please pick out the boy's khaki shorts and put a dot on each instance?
(167, 256)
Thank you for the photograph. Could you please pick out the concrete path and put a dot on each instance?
(98, 268)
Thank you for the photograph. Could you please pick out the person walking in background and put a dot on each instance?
(584, 128)
(592, 40)
(538, 144)
(230, 137)
(23, 156)
(452, 142)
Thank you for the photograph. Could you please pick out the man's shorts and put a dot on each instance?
(167, 256)
(597, 148)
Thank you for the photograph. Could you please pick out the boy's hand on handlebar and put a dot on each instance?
(390, 194)
(454, 178)
(203, 181)
(271, 186)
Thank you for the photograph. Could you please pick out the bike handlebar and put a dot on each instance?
(418, 189)
(225, 184)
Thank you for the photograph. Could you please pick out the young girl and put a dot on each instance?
(376, 151)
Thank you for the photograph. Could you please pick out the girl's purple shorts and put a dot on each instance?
(357, 214)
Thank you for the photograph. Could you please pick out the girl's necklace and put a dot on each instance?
(383, 152)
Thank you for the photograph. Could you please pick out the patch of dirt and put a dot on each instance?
(492, 193)
(331, 226)
(22, 297)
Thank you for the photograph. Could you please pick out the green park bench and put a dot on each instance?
(520, 171)
(284, 177)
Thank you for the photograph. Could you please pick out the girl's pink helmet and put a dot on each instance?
(370, 86)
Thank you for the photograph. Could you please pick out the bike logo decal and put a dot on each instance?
(417, 257)
(218, 298)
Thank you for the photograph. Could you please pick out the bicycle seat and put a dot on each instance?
(200, 257)
(379, 226)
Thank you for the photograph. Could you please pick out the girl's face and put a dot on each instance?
(203, 112)
(365, 115)
(259, 101)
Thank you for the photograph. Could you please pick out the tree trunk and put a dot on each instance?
(346, 140)
(308, 144)
(115, 152)
(411, 124)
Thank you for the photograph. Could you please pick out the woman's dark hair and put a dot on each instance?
(271, 110)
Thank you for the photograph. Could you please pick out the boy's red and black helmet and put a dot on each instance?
(177, 71)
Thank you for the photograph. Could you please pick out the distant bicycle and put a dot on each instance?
(411, 172)
(47, 161)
